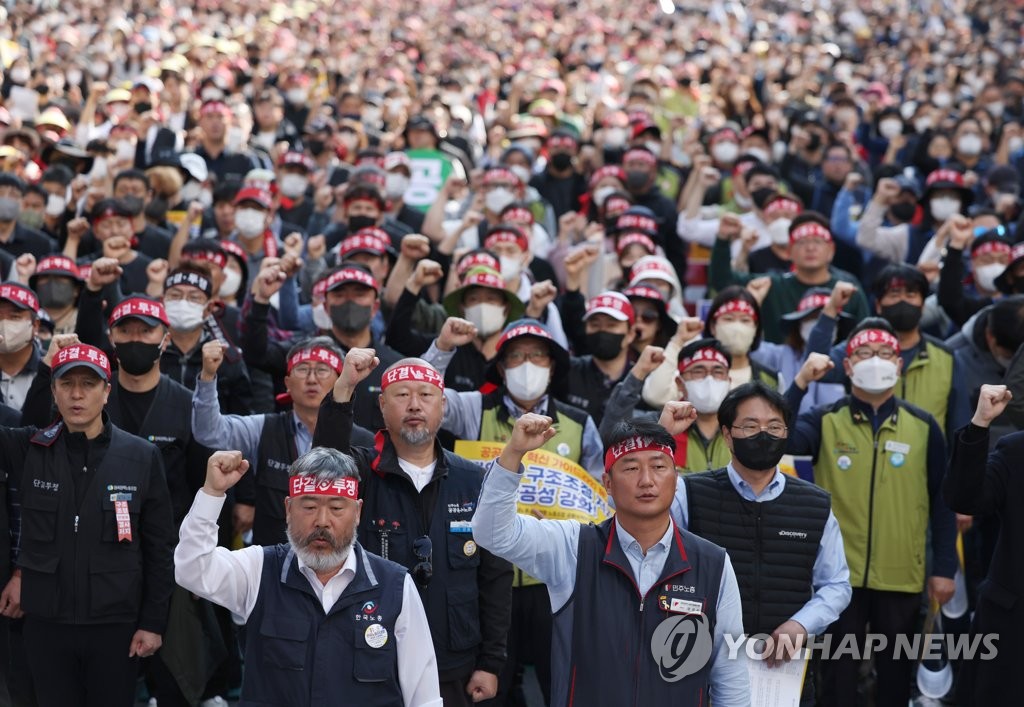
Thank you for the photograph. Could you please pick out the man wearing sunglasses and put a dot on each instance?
(328, 623)
(779, 530)
(883, 461)
(642, 607)
(418, 502)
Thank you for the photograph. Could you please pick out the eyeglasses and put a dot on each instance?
(775, 429)
(321, 372)
(516, 357)
(193, 297)
(864, 353)
(423, 572)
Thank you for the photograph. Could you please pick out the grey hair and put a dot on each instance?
(325, 464)
(325, 342)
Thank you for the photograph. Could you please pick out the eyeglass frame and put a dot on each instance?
(762, 428)
(302, 370)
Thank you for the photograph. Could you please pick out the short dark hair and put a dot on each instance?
(640, 428)
(899, 271)
(59, 173)
(131, 175)
(762, 169)
(753, 389)
(731, 294)
(810, 217)
(873, 323)
(1006, 322)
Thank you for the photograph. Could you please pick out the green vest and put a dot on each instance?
(926, 382)
(496, 426)
(879, 487)
(715, 456)
(766, 375)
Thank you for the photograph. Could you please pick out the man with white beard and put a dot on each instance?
(328, 623)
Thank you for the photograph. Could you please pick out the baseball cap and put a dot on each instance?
(20, 296)
(78, 355)
(147, 310)
(615, 304)
(372, 240)
(59, 265)
(255, 194)
(347, 274)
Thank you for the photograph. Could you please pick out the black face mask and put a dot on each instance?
(902, 211)
(137, 358)
(760, 197)
(561, 161)
(350, 316)
(55, 294)
(316, 147)
(133, 204)
(604, 345)
(637, 180)
(813, 142)
(356, 223)
(760, 452)
(903, 316)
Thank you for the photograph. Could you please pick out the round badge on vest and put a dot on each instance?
(844, 462)
(897, 459)
(469, 549)
(563, 449)
(376, 636)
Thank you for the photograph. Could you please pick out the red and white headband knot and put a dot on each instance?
(317, 354)
(810, 230)
(631, 445)
(412, 373)
(344, 487)
(737, 306)
(872, 336)
(705, 355)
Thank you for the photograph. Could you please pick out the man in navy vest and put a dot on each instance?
(670, 648)
(779, 530)
(327, 622)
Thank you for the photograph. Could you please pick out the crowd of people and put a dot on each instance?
(264, 264)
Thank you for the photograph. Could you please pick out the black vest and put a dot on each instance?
(275, 456)
(296, 655)
(601, 652)
(772, 545)
(394, 515)
(74, 570)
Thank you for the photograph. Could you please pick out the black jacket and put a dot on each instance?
(468, 601)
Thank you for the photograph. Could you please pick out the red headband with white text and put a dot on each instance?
(412, 373)
(872, 336)
(630, 445)
(344, 487)
(317, 354)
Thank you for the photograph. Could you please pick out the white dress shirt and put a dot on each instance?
(231, 578)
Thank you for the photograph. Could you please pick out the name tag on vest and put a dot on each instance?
(898, 447)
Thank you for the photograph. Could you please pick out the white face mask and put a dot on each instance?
(183, 315)
(510, 267)
(725, 152)
(321, 318)
(707, 393)
(736, 337)
(779, 231)
(522, 172)
(14, 335)
(602, 194)
(294, 185)
(1015, 144)
(297, 96)
(654, 146)
(744, 202)
(395, 186)
(805, 328)
(942, 100)
(875, 375)
(527, 381)
(190, 192)
(923, 123)
(996, 109)
(969, 144)
(985, 276)
(250, 222)
(944, 207)
(486, 317)
(760, 154)
(890, 128)
(498, 199)
(614, 137)
(232, 281)
(55, 205)
(125, 150)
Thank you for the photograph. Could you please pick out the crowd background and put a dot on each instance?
(670, 151)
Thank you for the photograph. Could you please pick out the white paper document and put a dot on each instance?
(778, 686)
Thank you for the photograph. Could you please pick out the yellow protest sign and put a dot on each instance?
(551, 487)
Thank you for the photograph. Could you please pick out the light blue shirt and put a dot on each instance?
(830, 576)
(547, 550)
(241, 432)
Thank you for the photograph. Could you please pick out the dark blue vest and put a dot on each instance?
(276, 453)
(601, 651)
(297, 656)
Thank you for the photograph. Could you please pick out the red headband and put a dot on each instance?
(477, 259)
(507, 235)
(344, 487)
(639, 156)
(739, 306)
(517, 214)
(630, 445)
(809, 230)
(414, 373)
(782, 205)
(211, 256)
(945, 175)
(609, 170)
(872, 336)
(317, 354)
(561, 141)
(636, 222)
(500, 174)
(812, 302)
(616, 204)
(991, 247)
(634, 239)
(708, 354)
